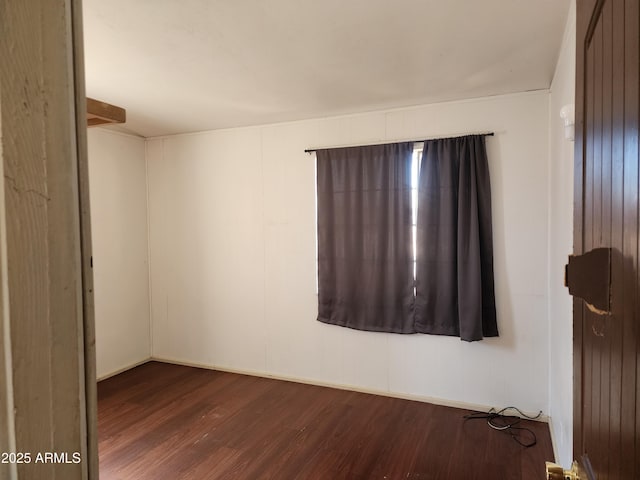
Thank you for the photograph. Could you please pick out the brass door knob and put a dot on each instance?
(556, 472)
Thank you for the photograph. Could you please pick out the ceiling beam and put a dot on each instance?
(101, 113)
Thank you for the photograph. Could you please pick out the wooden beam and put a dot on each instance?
(100, 113)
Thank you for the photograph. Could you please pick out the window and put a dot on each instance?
(415, 172)
(365, 237)
(404, 241)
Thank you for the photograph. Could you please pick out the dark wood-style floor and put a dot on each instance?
(161, 421)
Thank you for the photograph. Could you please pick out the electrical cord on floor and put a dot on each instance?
(497, 420)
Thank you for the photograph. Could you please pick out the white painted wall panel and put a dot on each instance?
(207, 248)
(118, 195)
(560, 246)
(232, 228)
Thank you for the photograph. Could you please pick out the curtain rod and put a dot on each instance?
(487, 134)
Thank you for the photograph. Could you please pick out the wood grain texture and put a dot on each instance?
(630, 431)
(617, 266)
(25, 203)
(86, 249)
(7, 425)
(606, 347)
(102, 113)
(162, 421)
(41, 208)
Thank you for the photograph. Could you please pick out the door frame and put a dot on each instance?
(584, 11)
(47, 348)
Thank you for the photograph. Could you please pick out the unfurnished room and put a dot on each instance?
(294, 239)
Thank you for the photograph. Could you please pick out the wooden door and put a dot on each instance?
(606, 368)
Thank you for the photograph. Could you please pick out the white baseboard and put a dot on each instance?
(353, 388)
(123, 369)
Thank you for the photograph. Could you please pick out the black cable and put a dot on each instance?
(507, 423)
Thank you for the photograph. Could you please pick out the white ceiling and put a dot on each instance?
(192, 65)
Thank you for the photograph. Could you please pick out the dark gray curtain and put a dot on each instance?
(365, 270)
(454, 279)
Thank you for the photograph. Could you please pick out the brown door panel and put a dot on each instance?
(606, 343)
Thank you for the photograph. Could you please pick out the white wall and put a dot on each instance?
(232, 252)
(117, 183)
(560, 246)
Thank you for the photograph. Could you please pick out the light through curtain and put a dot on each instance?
(365, 261)
(405, 244)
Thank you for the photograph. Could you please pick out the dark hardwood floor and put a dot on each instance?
(161, 421)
